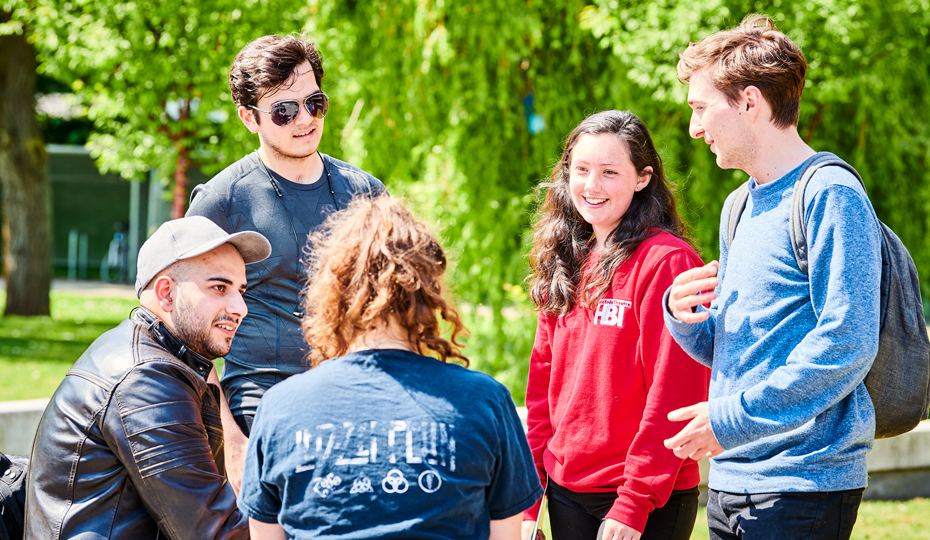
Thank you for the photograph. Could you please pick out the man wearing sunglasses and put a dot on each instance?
(284, 190)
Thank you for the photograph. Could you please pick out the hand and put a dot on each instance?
(614, 530)
(690, 289)
(526, 529)
(697, 439)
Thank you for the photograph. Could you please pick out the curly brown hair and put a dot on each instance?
(372, 262)
(562, 238)
(755, 53)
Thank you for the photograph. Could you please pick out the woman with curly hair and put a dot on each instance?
(604, 371)
(387, 436)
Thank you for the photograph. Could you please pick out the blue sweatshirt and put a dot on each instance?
(789, 352)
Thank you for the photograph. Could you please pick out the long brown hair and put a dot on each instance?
(370, 262)
(561, 237)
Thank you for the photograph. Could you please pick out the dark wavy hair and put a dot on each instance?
(370, 262)
(562, 238)
(267, 64)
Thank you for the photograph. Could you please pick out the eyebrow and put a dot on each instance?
(228, 282)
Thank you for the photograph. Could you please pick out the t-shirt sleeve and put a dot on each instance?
(514, 483)
(205, 202)
(260, 498)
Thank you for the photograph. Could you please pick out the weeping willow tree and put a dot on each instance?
(867, 87)
(460, 108)
(463, 107)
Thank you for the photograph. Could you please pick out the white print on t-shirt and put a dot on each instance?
(394, 482)
(430, 481)
(324, 486)
(361, 443)
(610, 312)
(361, 485)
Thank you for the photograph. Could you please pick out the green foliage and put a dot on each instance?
(856, 104)
(429, 96)
(434, 98)
(154, 76)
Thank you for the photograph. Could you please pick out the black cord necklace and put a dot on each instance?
(298, 307)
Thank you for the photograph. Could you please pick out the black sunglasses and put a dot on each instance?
(284, 112)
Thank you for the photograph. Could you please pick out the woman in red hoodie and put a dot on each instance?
(604, 372)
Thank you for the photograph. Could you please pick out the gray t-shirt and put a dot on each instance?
(247, 196)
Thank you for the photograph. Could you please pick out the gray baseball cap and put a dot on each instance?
(188, 237)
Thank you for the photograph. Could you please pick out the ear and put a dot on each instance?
(246, 115)
(752, 102)
(645, 176)
(165, 291)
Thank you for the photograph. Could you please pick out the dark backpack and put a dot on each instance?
(899, 380)
(12, 496)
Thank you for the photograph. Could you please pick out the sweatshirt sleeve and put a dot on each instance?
(830, 361)
(697, 339)
(673, 380)
(538, 420)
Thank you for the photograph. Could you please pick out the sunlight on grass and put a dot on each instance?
(36, 352)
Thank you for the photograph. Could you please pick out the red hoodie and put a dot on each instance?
(602, 381)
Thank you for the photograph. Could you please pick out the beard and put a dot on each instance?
(194, 330)
(284, 155)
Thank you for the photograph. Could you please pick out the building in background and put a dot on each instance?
(100, 220)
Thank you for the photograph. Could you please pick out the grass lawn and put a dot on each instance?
(36, 352)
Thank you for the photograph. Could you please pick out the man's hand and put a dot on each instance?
(614, 530)
(690, 289)
(697, 439)
(526, 529)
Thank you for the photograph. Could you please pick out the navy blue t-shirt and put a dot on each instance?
(388, 444)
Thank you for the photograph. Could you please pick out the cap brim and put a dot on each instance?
(253, 246)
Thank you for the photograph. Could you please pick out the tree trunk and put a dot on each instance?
(179, 203)
(25, 181)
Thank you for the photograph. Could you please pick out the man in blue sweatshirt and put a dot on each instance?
(788, 421)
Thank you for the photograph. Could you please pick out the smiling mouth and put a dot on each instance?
(227, 327)
(304, 133)
(590, 200)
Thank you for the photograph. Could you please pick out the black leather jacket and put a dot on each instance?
(131, 445)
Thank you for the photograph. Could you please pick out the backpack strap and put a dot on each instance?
(737, 206)
(798, 222)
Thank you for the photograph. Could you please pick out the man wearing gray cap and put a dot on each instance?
(131, 444)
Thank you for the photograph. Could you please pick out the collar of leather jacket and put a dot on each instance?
(170, 341)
